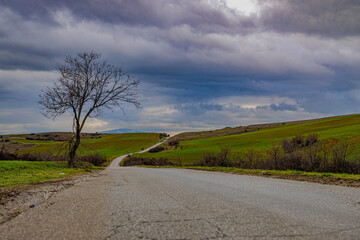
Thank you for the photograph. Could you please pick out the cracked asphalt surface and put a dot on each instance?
(147, 203)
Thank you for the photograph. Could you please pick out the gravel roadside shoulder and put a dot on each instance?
(16, 200)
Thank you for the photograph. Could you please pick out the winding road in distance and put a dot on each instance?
(116, 162)
(147, 203)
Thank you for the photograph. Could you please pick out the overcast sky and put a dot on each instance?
(203, 64)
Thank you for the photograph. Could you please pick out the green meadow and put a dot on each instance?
(110, 145)
(15, 173)
(190, 151)
(24, 172)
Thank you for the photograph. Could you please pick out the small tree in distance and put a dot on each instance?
(85, 88)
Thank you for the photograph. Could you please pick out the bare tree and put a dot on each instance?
(85, 88)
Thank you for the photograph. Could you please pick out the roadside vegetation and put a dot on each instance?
(43, 157)
(263, 140)
(15, 173)
(298, 153)
(330, 145)
(344, 179)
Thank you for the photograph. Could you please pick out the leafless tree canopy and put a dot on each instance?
(85, 88)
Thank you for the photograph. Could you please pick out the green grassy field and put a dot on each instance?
(192, 150)
(23, 172)
(15, 173)
(110, 145)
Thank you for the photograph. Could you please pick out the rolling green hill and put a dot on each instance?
(191, 151)
(109, 145)
(238, 130)
(17, 173)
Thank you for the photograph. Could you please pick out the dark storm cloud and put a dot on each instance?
(279, 107)
(159, 13)
(332, 18)
(292, 60)
(198, 109)
(183, 37)
(22, 57)
(176, 25)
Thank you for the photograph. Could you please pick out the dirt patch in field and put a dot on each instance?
(10, 143)
(15, 146)
(53, 136)
(14, 201)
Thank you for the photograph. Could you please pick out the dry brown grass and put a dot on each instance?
(14, 146)
(53, 136)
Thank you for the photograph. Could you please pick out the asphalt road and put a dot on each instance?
(116, 162)
(144, 203)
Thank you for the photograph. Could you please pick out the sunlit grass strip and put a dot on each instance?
(346, 176)
(260, 172)
(15, 173)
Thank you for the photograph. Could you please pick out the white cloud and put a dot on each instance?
(246, 7)
(252, 101)
(158, 112)
(26, 80)
(95, 125)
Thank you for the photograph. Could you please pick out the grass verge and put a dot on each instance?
(14, 173)
(350, 180)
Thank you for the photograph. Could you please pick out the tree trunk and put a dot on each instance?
(73, 149)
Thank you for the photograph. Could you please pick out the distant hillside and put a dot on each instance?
(109, 145)
(259, 137)
(122, 130)
(241, 129)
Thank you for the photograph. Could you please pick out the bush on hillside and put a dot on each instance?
(156, 149)
(7, 156)
(221, 159)
(94, 159)
(31, 157)
(174, 143)
(163, 135)
(298, 153)
(298, 142)
(133, 161)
